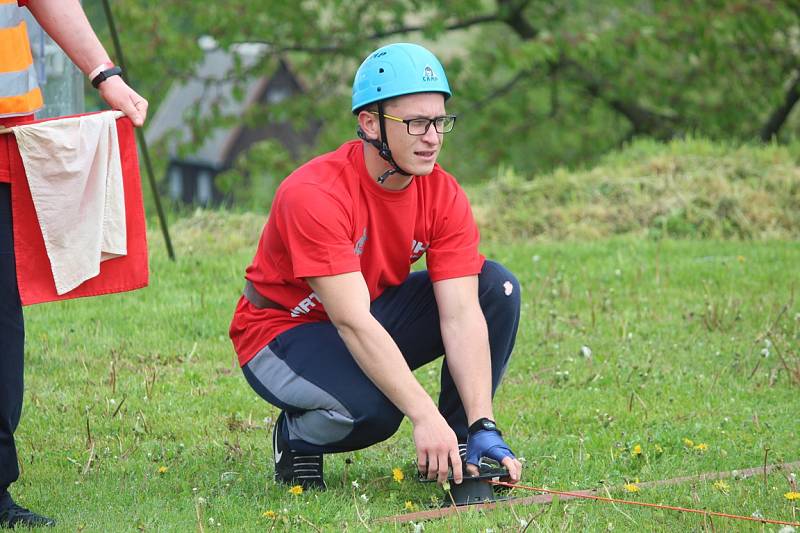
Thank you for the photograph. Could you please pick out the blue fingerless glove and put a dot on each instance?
(487, 443)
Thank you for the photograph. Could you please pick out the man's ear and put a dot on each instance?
(369, 125)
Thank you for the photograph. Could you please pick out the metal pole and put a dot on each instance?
(140, 136)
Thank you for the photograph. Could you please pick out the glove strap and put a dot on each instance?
(484, 424)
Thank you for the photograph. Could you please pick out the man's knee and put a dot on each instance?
(499, 287)
(376, 424)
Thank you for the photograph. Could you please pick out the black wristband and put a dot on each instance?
(104, 75)
(484, 424)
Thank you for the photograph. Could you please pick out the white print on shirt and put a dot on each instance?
(417, 249)
(305, 305)
(359, 249)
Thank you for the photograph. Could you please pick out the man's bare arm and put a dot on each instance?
(66, 23)
(346, 300)
(466, 342)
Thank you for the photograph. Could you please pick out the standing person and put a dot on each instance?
(332, 323)
(20, 98)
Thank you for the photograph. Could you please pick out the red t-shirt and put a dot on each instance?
(330, 217)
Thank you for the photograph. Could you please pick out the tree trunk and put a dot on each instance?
(779, 116)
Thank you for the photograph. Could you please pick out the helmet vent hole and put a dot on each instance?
(380, 71)
(379, 89)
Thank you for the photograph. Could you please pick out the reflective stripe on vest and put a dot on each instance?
(10, 14)
(19, 87)
(17, 83)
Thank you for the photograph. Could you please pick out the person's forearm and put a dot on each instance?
(466, 343)
(66, 23)
(378, 356)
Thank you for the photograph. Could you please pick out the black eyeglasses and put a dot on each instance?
(420, 126)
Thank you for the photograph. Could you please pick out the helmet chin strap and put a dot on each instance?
(383, 148)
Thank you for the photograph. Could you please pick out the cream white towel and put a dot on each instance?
(75, 176)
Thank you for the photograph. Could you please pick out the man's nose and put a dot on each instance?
(431, 136)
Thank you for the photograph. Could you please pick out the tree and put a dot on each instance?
(537, 83)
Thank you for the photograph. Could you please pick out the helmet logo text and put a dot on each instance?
(429, 74)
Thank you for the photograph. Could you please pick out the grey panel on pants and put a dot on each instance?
(325, 419)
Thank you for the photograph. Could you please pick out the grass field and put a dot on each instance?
(137, 417)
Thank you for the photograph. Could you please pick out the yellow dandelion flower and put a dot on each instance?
(688, 442)
(269, 514)
(397, 474)
(702, 447)
(637, 450)
(740, 258)
(409, 506)
(162, 469)
(630, 487)
(659, 449)
(792, 495)
(296, 490)
(721, 486)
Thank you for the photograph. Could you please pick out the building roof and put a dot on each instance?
(212, 84)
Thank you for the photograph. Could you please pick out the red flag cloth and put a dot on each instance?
(34, 275)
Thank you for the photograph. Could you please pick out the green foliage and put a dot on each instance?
(683, 189)
(538, 85)
(256, 174)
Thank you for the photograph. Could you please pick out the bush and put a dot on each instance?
(684, 189)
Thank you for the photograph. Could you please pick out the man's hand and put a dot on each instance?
(437, 449)
(119, 96)
(489, 443)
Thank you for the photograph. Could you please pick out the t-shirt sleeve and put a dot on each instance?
(316, 231)
(22, 3)
(453, 251)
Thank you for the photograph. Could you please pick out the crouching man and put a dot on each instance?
(332, 322)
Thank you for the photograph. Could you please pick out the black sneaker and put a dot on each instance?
(12, 515)
(292, 467)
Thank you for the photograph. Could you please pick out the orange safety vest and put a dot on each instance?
(19, 87)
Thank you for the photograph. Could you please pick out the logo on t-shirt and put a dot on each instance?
(418, 249)
(305, 305)
(359, 249)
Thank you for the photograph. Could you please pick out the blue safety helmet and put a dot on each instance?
(398, 69)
